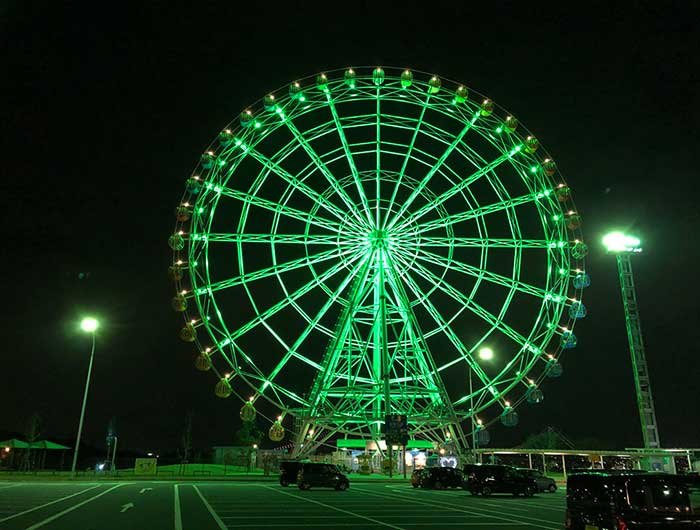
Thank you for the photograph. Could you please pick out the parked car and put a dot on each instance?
(494, 478)
(288, 472)
(441, 477)
(543, 483)
(314, 474)
(631, 501)
(416, 477)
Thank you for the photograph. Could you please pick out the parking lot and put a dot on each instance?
(241, 505)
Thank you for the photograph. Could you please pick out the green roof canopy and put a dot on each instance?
(14, 443)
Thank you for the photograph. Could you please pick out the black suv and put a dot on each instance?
(493, 478)
(288, 472)
(441, 477)
(633, 501)
(324, 475)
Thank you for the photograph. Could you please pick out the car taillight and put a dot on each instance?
(621, 524)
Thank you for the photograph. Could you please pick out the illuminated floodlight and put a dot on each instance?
(619, 242)
(89, 324)
(486, 354)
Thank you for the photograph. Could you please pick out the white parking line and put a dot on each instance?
(10, 486)
(376, 521)
(178, 513)
(74, 507)
(451, 507)
(47, 504)
(211, 511)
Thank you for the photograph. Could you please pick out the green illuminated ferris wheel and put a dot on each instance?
(348, 246)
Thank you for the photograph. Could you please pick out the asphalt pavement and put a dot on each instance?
(178, 505)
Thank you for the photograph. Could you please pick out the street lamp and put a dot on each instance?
(623, 246)
(88, 325)
(485, 354)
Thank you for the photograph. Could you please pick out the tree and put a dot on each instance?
(32, 432)
(111, 437)
(185, 448)
(248, 435)
(550, 438)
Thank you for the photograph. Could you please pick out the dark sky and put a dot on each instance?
(106, 112)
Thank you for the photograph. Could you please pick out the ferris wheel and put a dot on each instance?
(375, 241)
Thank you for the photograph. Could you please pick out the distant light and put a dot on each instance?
(7, 449)
(619, 242)
(149, 454)
(485, 354)
(255, 446)
(101, 467)
(89, 324)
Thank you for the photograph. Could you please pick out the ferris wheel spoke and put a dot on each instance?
(475, 272)
(293, 239)
(416, 128)
(274, 271)
(350, 158)
(290, 298)
(471, 214)
(443, 325)
(378, 160)
(283, 209)
(456, 189)
(312, 323)
(325, 171)
(423, 183)
(297, 184)
(472, 242)
(494, 321)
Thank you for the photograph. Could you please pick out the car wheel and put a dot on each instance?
(486, 491)
(414, 485)
(284, 482)
(304, 486)
(342, 486)
(473, 492)
(529, 492)
(552, 488)
(437, 485)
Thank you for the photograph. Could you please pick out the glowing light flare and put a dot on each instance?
(619, 242)
(89, 324)
(486, 354)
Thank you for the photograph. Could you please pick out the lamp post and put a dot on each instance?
(88, 325)
(623, 246)
(485, 354)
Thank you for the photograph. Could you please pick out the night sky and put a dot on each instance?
(106, 112)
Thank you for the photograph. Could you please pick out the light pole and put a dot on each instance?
(623, 246)
(485, 354)
(88, 325)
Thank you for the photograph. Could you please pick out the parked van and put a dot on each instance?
(629, 501)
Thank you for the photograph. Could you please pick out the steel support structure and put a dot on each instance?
(645, 401)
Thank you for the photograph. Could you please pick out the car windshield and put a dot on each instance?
(658, 496)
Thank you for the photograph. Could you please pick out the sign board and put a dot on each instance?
(145, 466)
(396, 429)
